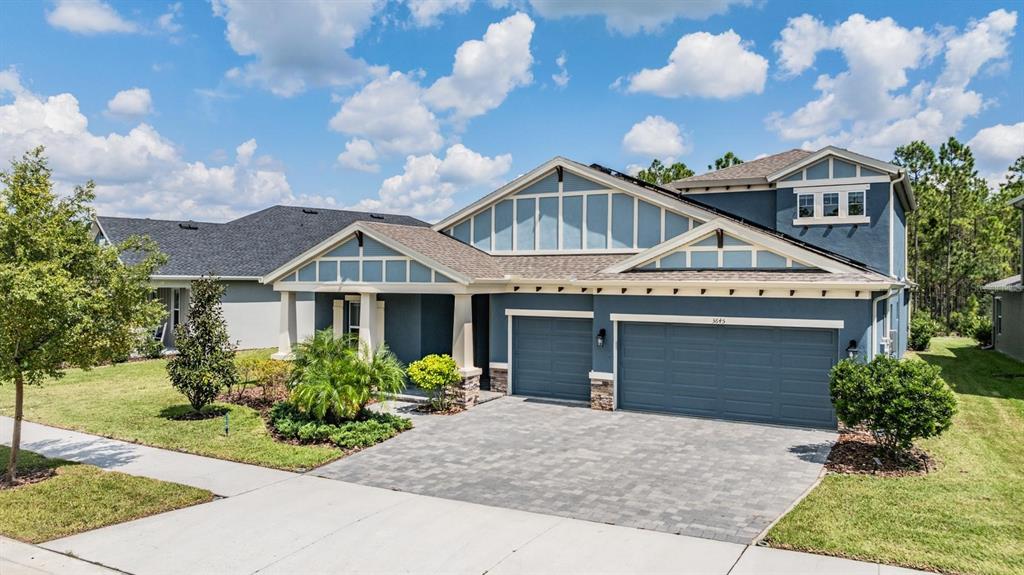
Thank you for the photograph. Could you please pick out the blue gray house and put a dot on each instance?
(1008, 304)
(728, 295)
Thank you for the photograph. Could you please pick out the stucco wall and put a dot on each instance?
(758, 207)
(252, 314)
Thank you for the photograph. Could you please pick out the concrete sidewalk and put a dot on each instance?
(224, 478)
(289, 523)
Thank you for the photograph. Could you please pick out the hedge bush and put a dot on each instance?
(983, 331)
(897, 401)
(370, 429)
(437, 375)
(922, 329)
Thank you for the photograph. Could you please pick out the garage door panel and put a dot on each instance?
(763, 374)
(551, 357)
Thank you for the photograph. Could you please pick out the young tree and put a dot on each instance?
(727, 159)
(65, 300)
(660, 174)
(206, 359)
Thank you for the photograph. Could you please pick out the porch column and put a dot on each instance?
(287, 331)
(368, 321)
(468, 391)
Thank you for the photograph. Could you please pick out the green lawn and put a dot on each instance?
(132, 401)
(965, 517)
(82, 497)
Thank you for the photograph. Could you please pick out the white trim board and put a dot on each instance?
(549, 313)
(727, 320)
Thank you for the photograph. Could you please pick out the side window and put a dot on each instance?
(855, 204)
(353, 317)
(999, 316)
(830, 205)
(805, 203)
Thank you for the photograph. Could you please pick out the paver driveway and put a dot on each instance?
(714, 479)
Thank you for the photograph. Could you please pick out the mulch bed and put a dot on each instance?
(255, 398)
(28, 477)
(857, 453)
(427, 408)
(209, 412)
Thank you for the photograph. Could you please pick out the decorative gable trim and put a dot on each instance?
(826, 152)
(766, 241)
(385, 248)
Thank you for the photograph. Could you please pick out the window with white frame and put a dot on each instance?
(353, 317)
(831, 206)
(806, 206)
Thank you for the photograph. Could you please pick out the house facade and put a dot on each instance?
(726, 295)
(1008, 304)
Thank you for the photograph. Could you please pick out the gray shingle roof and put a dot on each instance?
(753, 275)
(443, 249)
(1012, 283)
(753, 169)
(250, 246)
(557, 267)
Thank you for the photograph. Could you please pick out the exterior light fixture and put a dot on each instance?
(851, 350)
(600, 337)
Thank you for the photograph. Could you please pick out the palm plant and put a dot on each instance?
(333, 378)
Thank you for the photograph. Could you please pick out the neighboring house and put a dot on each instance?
(726, 295)
(1008, 305)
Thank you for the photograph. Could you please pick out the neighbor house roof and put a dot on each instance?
(247, 247)
(1012, 283)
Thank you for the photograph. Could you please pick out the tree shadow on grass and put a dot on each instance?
(973, 371)
(185, 412)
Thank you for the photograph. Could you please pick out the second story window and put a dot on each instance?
(855, 204)
(806, 206)
(830, 205)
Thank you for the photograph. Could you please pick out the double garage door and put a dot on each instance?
(762, 374)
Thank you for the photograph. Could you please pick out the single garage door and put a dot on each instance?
(551, 357)
(763, 374)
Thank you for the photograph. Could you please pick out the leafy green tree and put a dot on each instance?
(660, 174)
(206, 359)
(65, 300)
(1011, 189)
(727, 159)
(919, 161)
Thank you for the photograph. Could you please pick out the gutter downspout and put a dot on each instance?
(874, 317)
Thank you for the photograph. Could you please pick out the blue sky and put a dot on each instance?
(209, 111)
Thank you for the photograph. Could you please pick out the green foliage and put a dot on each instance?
(65, 300)
(660, 174)
(983, 331)
(262, 372)
(727, 159)
(922, 329)
(897, 401)
(205, 360)
(333, 378)
(147, 346)
(436, 374)
(369, 429)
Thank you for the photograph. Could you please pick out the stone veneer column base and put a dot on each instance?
(467, 392)
(602, 391)
(499, 380)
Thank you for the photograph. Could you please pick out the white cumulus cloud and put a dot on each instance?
(88, 17)
(561, 79)
(634, 16)
(996, 148)
(295, 45)
(427, 184)
(707, 66)
(871, 106)
(359, 155)
(426, 13)
(131, 103)
(139, 173)
(486, 70)
(656, 137)
(390, 112)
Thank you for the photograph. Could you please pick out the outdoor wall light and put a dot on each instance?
(851, 350)
(600, 337)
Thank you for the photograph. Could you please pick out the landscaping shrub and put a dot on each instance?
(922, 329)
(983, 331)
(436, 374)
(205, 360)
(368, 429)
(262, 372)
(897, 401)
(148, 346)
(333, 378)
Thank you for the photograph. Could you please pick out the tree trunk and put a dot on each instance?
(19, 404)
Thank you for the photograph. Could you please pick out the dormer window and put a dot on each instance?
(831, 205)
